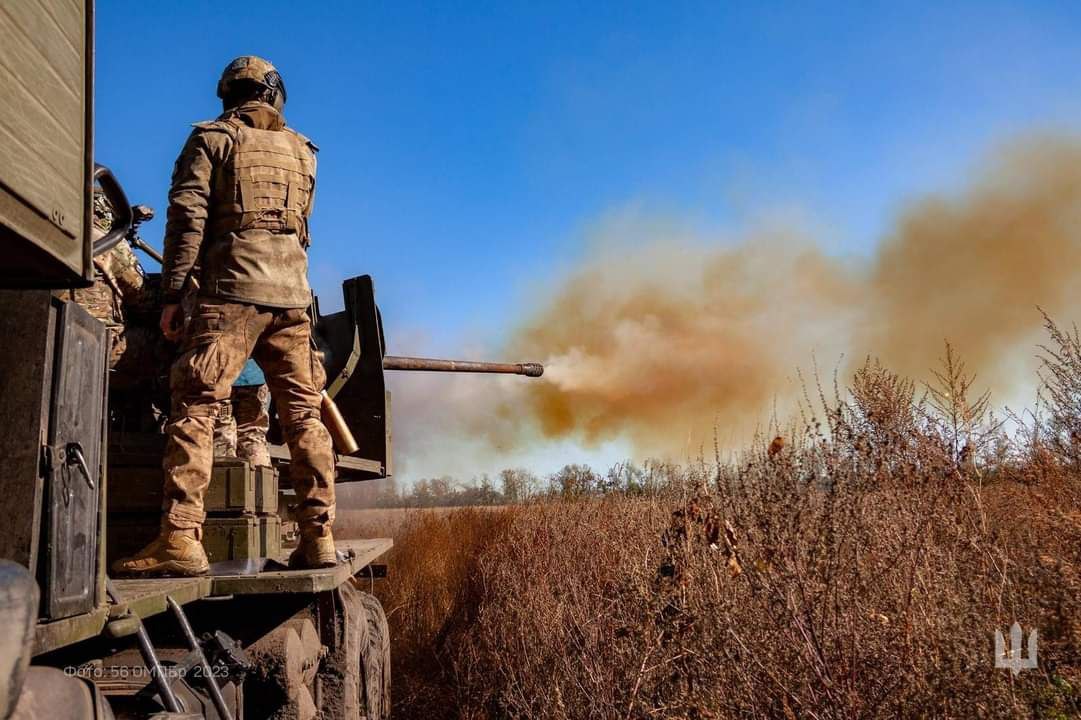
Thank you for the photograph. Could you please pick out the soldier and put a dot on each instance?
(239, 206)
(243, 433)
(120, 288)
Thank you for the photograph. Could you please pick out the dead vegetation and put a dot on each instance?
(856, 568)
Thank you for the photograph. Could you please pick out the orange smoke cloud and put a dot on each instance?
(663, 341)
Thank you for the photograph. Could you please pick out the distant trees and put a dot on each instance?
(516, 485)
(574, 481)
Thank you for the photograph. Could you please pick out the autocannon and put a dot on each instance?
(396, 362)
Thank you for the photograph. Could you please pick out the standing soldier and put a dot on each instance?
(238, 208)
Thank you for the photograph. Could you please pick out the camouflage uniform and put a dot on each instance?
(241, 195)
(243, 433)
(240, 430)
(119, 286)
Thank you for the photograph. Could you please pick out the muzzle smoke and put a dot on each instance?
(666, 337)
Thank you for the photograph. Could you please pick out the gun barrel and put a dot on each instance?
(142, 245)
(397, 362)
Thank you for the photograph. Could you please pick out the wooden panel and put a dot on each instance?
(57, 53)
(66, 15)
(32, 244)
(44, 120)
(40, 126)
(43, 111)
(51, 193)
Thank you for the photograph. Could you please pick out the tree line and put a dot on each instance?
(515, 485)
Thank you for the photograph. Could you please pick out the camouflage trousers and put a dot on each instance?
(243, 433)
(220, 338)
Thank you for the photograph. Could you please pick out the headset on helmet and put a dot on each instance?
(255, 69)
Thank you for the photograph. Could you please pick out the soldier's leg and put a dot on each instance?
(118, 345)
(217, 345)
(225, 436)
(251, 404)
(214, 350)
(296, 378)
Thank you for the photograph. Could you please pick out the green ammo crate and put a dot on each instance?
(236, 486)
(243, 537)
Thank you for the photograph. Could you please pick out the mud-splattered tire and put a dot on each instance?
(374, 675)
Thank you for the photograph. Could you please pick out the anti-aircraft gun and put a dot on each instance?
(81, 466)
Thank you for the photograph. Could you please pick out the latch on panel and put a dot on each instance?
(74, 456)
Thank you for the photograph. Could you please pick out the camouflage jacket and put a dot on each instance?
(257, 265)
(119, 280)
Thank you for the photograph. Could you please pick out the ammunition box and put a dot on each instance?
(240, 538)
(241, 505)
(235, 487)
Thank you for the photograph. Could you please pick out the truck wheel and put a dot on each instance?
(354, 677)
(374, 674)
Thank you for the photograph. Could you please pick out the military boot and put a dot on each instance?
(316, 550)
(176, 552)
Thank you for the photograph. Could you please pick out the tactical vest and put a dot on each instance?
(266, 182)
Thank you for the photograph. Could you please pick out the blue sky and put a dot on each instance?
(467, 148)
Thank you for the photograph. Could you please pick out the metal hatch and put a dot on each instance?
(74, 462)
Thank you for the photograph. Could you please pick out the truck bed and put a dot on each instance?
(146, 597)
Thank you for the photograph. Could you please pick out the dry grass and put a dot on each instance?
(431, 570)
(858, 571)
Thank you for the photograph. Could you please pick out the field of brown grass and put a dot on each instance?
(389, 522)
(857, 569)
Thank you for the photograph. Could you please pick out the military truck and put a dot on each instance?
(80, 462)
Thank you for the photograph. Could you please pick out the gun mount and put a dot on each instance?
(355, 358)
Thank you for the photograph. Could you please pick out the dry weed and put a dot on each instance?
(855, 568)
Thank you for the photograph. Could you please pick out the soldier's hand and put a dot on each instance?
(172, 321)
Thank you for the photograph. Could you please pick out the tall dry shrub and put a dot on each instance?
(1061, 380)
(860, 571)
(857, 567)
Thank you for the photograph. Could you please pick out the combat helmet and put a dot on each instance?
(255, 69)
